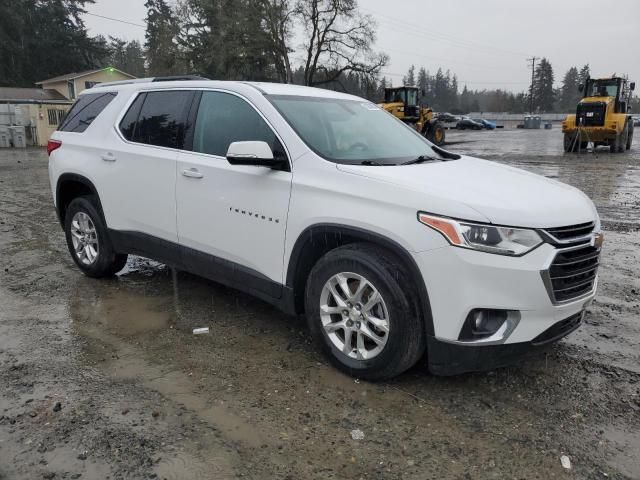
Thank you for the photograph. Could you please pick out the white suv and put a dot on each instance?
(325, 205)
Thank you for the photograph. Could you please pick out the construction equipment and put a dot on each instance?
(403, 103)
(602, 116)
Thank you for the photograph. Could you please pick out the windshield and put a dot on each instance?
(351, 131)
(412, 97)
(393, 96)
(603, 88)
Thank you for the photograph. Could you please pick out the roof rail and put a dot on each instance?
(177, 78)
(122, 82)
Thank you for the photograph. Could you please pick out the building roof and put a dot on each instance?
(31, 95)
(71, 76)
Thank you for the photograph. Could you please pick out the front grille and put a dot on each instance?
(559, 329)
(572, 273)
(591, 114)
(573, 231)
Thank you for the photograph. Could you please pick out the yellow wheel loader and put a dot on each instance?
(602, 116)
(402, 102)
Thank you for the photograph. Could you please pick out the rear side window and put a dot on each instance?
(223, 119)
(85, 111)
(158, 118)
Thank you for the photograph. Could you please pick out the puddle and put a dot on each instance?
(123, 313)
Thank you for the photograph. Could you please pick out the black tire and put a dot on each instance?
(435, 133)
(583, 145)
(405, 341)
(569, 142)
(107, 262)
(614, 144)
(624, 139)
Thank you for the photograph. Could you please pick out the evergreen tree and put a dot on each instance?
(543, 93)
(440, 91)
(162, 53)
(583, 76)
(453, 94)
(40, 39)
(569, 94)
(410, 78)
(465, 100)
(423, 86)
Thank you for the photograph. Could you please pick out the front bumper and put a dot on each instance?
(447, 358)
(460, 280)
(592, 134)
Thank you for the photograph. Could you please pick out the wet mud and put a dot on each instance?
(105, 379)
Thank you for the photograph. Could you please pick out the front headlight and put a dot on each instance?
(486, 238)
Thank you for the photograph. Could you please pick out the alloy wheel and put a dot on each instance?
(354, 316)
(84, 238)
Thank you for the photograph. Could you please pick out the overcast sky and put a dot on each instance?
(486, 43)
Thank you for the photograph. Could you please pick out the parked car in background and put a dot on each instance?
(322, 204)
(448, 117)
(486, 123)
(467, 123)
(636, 120)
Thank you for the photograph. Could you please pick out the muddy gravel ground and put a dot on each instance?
(104, 378)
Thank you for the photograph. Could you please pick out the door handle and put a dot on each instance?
(192, 173)
(108, 157)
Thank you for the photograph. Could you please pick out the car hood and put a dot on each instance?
(503, 195)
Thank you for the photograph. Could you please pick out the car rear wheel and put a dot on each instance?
(88, 241)
(361, 311)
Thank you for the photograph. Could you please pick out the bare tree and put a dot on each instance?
(339, 40)
(278, 20)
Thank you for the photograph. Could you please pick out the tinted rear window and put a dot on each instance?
(130, 121)
(158, 118)
(85, 111)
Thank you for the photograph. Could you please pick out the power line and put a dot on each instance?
(451, 62)
(116, 20)
(469, 82)
(439, 36)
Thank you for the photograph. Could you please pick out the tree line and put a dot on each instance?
(249, 40)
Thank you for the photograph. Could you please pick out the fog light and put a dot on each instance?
(482, 323)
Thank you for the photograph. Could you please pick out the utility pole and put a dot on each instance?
(533, 71)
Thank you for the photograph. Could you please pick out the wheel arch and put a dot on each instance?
(70, 186)
(317, 240)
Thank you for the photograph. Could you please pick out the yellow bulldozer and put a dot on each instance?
(403, 103)
(602, 116)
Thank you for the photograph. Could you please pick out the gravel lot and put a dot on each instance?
(104, 379)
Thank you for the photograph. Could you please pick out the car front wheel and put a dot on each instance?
(361, 310)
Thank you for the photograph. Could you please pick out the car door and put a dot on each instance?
(140, 164)
(232, 219)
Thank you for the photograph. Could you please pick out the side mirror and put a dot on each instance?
(257, 154)
(581, 87)
(632, 86)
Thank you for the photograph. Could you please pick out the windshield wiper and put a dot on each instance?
(373, 163)
(421, 159)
